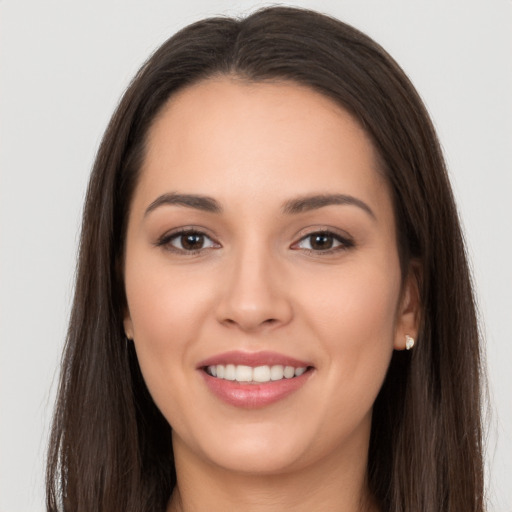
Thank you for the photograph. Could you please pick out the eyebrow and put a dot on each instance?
(291, 207)
(204, 203)
(308, 203)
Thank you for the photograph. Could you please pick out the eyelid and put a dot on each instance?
(164, 241)
(345, 240)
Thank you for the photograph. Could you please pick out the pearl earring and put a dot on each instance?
(409, 342)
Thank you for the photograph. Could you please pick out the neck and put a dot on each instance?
(336, 483)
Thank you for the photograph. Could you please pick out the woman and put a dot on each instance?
(268, 227)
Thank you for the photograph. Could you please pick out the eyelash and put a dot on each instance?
(343, 243)
(166, 241)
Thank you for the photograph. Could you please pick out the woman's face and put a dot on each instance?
(261, 245)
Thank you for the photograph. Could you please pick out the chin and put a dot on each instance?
(252, 449)
(256, 461)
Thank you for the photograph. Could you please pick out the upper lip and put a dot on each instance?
(253, 359)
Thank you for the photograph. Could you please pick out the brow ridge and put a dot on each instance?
(198, 202)
(314, 202)
(290, 207)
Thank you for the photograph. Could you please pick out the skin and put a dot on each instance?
(257, 283)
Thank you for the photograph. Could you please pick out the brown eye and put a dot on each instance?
(187, 242)
(191, 241)
(323, 241)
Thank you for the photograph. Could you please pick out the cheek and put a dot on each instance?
(356, 321)
(360, 302)
(162, 298)
(167, 310)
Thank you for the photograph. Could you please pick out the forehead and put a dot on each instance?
(236, 140)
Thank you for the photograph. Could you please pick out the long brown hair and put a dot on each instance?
(111, 448)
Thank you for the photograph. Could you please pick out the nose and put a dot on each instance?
(254, 293)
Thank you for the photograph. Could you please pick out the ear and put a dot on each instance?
(410, 307)
(128, 325)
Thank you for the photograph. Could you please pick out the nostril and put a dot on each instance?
(250, 323)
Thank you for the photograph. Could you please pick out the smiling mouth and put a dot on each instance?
(255, 375)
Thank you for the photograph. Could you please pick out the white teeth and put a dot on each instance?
(230, 372)
(299, 371)
(276, 372)
(261, 374)
(243, 373)
(289, 372)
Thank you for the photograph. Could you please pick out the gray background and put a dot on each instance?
(63, 67)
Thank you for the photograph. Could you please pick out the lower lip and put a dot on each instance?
(252, 396)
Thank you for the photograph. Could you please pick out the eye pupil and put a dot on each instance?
(192, 241)
(321, 241)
